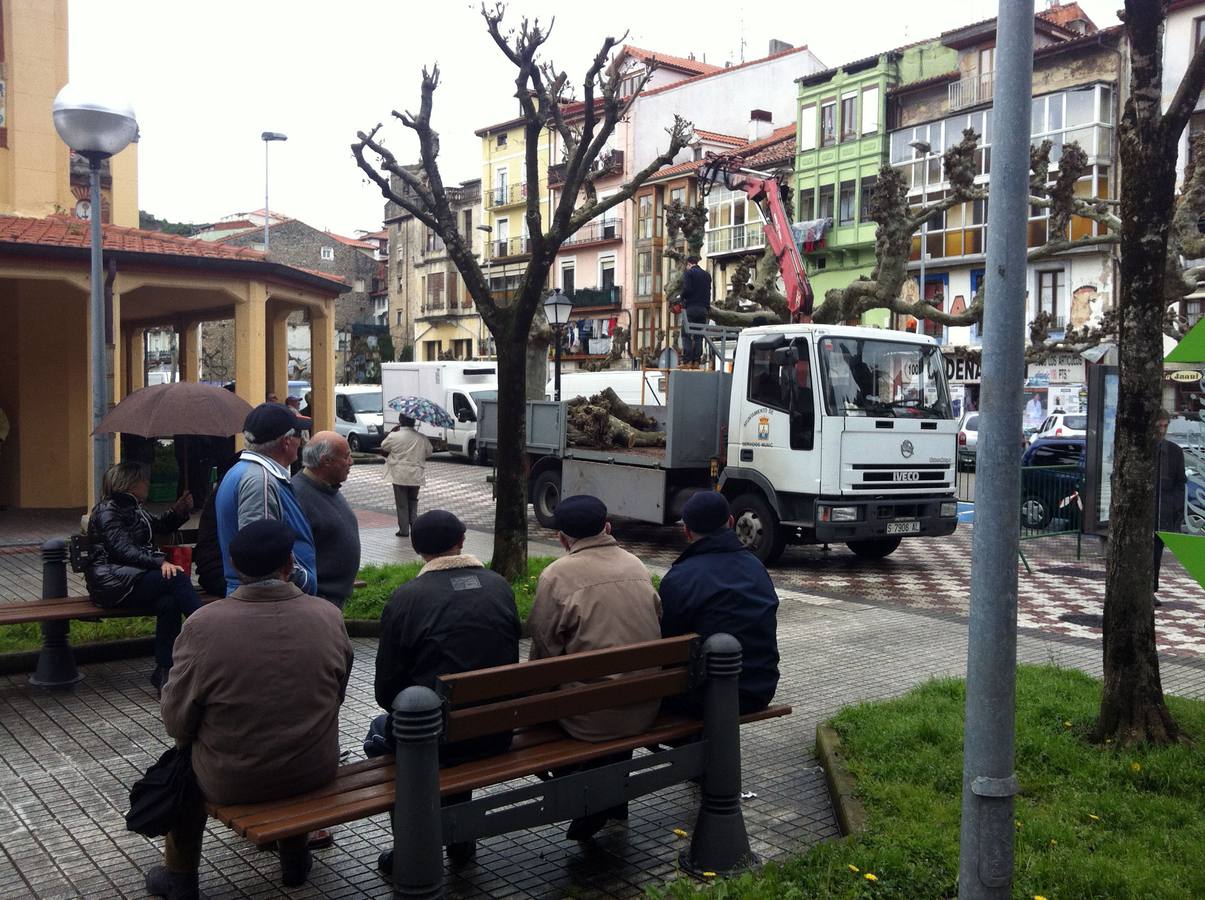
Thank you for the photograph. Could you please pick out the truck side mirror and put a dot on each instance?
(785, 357)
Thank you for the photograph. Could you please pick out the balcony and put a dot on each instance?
(735, 239)
(590, 298)
(596, 233)
(606, 164)
(498, 197)
(440, 308)
(505, 249)
(970, 91)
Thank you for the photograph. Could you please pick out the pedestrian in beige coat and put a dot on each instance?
(406, 453)
(597, 597)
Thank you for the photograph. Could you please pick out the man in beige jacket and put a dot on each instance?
(406, 453)
(597, 597)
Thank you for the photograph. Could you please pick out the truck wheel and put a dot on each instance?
(545, 495)
(353, 442)
(758, 528)
(875, 548)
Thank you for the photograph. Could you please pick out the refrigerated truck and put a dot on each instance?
(819, 434)
(457, 387)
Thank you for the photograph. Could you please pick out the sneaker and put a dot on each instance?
(385, 862)
(174, 885)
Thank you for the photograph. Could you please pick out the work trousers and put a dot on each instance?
(405, 498)
(692, 344)
(182, 849)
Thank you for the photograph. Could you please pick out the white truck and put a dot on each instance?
(636, 386)
(458, 387)
(820, 434)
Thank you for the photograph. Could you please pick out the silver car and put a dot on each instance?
(968, 440)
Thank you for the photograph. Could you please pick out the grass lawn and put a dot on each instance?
(1091, 822)
(365, 603)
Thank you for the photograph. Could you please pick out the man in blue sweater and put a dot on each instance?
(257, 487)
(717, 586)
(696, 304)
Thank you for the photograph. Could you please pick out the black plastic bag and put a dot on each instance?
(158, 795)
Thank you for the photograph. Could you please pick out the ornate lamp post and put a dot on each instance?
(557, 308)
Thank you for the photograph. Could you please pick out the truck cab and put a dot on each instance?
(838, 434)
(456, 387)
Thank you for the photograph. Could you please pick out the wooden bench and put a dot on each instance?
(56, 662)
(529, 698)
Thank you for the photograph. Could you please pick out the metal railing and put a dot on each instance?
(603, 230)
(969, 91)
(735, 237)
(516, 246)
(505, 196)
(606, 164)
(611, 296)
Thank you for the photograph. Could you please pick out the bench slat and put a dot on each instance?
(57, 609)
(322, 809)
(540, 674)
(491, 718)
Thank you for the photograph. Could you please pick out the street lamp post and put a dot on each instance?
(267, 137)
(557, 308)
(96, 127)
(924, 149)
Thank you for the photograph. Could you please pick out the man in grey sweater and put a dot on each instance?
(327, 461)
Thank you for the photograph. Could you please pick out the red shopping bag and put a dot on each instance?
(179, 556)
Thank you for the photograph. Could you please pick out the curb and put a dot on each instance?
(23, 661)
(851, 814)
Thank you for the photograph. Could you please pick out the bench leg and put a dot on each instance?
(720, 844)
(56, 662)
(417, 818)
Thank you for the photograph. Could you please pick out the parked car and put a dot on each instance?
(1052, 478)
(358, 415)
(968, 440)
(1061, 425)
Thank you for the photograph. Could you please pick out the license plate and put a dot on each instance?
(910, 526)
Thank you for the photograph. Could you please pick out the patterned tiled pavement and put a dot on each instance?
(848, 631)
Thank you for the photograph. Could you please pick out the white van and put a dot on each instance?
(457, 387)
(358, 415)
(640, 388)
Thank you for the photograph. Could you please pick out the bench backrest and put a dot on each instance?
(489, 701)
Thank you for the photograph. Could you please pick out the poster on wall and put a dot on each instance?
(957, 399)
(1068, 398)
(1035, 407)
(1102, 425)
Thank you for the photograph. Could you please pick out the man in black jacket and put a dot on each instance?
(696, 304)
(1169, 491)
(456, 616)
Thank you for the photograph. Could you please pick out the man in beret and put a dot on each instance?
(257, 487)
(455, 616)
(597, 597)
(255, 690)
(716, 585)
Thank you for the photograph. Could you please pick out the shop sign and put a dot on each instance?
(960, 369)
(1061, 368)
(1184, 376)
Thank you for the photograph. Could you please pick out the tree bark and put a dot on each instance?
(1132, 707)
(510, 488)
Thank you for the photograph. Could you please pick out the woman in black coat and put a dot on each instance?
(127, 570)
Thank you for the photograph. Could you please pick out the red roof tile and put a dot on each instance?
(723, 70)
(1065, 13)
(69, 232)
(717, 138)
(695, 66)
(353, 242)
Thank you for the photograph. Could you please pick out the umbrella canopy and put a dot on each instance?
(181, 407)
(423, 410)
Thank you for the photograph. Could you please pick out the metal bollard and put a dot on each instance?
(417, 819)
(720, 844)
(56, 662)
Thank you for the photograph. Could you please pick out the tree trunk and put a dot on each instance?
(1132, 708)
(538, 342)
(510, 486)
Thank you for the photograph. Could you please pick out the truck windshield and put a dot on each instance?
(366, 402)
(478, 396)
(883, 378)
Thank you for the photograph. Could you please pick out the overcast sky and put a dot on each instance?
(207, 78)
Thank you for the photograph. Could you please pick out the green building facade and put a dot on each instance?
(842, 143)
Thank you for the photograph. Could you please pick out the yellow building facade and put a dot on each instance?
(151, 280)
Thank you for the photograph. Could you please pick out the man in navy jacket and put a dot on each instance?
(716, 586)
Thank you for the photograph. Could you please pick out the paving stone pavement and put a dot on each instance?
(67, 760)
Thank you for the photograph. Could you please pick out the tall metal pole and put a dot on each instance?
(557, 365)
(102, 444)
(266, 142)
(985, 864)
(924, 234)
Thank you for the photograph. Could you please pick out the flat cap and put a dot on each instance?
(262, 547)
(705, 512)
(581, 516)
(268, 421)
(435, 531)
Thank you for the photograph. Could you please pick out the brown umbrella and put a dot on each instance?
(181, 407)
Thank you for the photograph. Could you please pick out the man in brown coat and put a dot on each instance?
(258, 680)
(597, 597)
